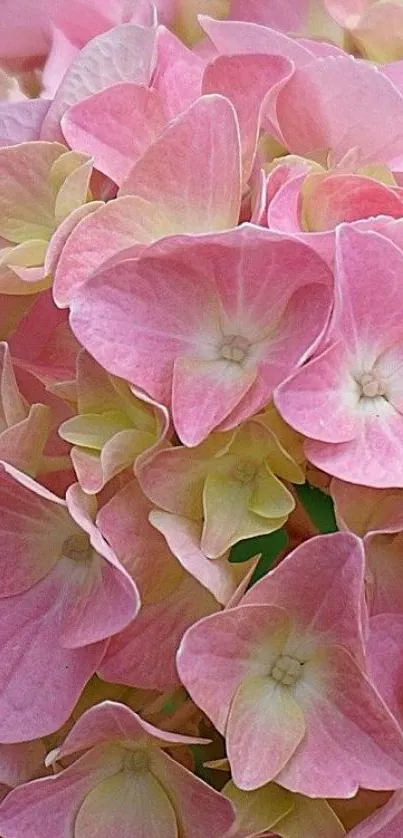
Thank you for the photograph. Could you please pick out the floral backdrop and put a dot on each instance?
(201, 418)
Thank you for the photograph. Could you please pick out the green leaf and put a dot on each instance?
(268, 545)
(318, 506)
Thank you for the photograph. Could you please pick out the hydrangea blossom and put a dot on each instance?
(201, 432)
(353, 408)
(220, 353)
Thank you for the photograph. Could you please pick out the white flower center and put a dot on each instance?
(235, 348)
(371, 385)
(286, 670)
(77, 547)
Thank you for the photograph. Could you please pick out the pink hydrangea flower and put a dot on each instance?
(124, 785)
(280, 673)
(217, 356)
(347, 399)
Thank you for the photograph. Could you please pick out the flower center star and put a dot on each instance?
(371, 385)
(137, 762)
(286, 670)
(245, 471)
(235, 348)
(77, 547)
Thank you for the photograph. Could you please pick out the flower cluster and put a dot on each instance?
(201, 418)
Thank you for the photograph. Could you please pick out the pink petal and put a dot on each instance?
(188, 470)
(21, 122)
(103, 598)
(25, 31)
(124, 522)
(231, 37)
(128, 806)
(150, 343)
(205, 194)
(27, 200)
(220, 652)
(372, 459)
(90, 243)
(41, 680)
(22, 445)
(321, 584)
(46, 808)
(365, 252)
(123, 54)
(43, 342)
(170, 330)
(178, 73)
(82, 21)
(115, 126)
(33, 530)
(348, 198)
(201, 810)
(99, 602)
(183, 538)
(363, 510)
(245, 80)
(285, 15)
(21, 762)
(384, 572)
(204, 393)
(384, 660)
(125, 661)
(284, 207)
(265, 726)
(260, 300)
(111, 720)
(312, 119)
(63, 233)
(329, 413)
(61, 54)
(346, 720)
